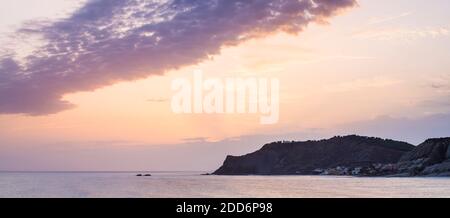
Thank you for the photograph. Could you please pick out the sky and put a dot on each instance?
(86, 85)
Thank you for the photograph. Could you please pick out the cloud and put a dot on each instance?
(403, 34)
(360, 84)
(437, 102)
(195, 140)
(107, 41)
(157, 100)
(440, 94)
(441, 84)
(379, 20)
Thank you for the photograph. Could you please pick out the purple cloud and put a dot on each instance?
(107, 41)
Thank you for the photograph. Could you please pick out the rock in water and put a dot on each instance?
(306, 158)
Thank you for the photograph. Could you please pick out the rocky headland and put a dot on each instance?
(344, 155)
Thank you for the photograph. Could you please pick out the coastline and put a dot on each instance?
(350, 155)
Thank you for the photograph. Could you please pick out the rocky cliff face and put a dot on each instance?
(431, 158)
(346, 155)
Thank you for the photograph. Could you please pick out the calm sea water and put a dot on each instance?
(191, 184)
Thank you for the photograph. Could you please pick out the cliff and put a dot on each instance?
(348, 155)
(431, 158)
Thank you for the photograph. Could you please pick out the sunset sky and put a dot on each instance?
(86, 85)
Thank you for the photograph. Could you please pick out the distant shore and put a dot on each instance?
(351, 155)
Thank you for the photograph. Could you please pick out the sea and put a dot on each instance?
(195, 185)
